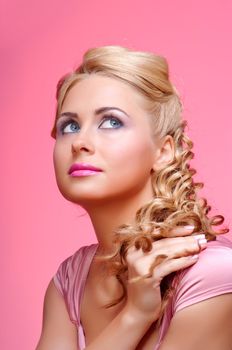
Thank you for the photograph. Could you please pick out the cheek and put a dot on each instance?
(134, 156)
(59, 157)
(55, 156)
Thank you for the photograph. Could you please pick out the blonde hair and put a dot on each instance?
(175, 201)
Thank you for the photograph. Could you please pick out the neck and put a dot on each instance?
(108, 215)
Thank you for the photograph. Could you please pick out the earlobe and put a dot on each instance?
(165, 153)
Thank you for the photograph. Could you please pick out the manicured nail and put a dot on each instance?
(202, 242)
(198, 237)
(189, 227)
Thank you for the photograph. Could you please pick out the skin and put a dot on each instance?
(111, 198)
(117, 151)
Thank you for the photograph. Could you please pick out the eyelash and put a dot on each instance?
(62, 125)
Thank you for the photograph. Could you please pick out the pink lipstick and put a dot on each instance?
(83, 169)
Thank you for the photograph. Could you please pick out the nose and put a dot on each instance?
(82, 143)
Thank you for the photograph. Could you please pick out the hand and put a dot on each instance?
(167, 255)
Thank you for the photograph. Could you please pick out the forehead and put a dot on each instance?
(95, 91)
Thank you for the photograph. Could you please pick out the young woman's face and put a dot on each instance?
(102, 123)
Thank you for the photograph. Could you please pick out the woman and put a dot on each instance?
(158, 277)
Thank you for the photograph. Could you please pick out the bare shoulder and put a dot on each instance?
(203, 325)
(58, 332)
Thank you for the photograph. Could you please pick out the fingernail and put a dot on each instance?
(202, 242)
(189, 227)
(198, 237)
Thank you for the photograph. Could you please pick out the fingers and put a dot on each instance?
(174, 231)
(169, 266)
(176, 253)
(172, 247)
(182, 230)
(179, 246)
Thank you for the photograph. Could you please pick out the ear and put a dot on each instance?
(164, 153)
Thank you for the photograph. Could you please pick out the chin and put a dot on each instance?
(82, 197)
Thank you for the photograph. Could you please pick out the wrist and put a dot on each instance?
(134, 315)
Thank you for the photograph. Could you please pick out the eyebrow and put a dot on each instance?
(96, 112)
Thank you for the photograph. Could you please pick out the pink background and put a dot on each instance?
(42, 40)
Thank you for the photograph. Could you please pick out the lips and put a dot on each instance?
(82, 166)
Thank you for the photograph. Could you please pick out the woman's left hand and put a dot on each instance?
(166, 256)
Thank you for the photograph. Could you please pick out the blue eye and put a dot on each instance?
(113, 122)
(62, 126)
(71, 126)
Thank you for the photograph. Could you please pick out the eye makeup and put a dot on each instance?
(62, 124)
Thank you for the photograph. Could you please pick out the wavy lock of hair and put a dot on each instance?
(175, 201)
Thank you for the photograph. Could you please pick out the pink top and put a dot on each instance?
(211, 275)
